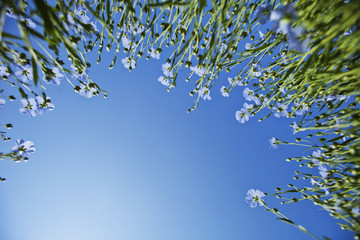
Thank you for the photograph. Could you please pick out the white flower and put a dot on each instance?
(87, 91)
(248, 94)
(323, 171)
(314, 182)
(4, 71)
(164, 81)
(294, 127)
(167, 70)
(200, 71)
(30, 23)
(224, 91)
(301, 109)
(254, 197)
(280, 110)
(128, 63)
(154, 54)
(25, 73)
(204, 93)
(126, 43)
(248, 46)
(236, 81)
(273, 143)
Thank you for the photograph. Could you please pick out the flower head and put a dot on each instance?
(280, 110)
(23, 148)
(128, 63)
(274, 143)
(164, 81)
(198, 70)
(25, 73)
(75, 73)
(87, 90)
(54, 77)
(4, 72)
(254, 197)
(43, 105)
(204, 93)
(167, 70)
(263, 13)
(323, 171)
(224, 91)
(154, 53)
(28, 107)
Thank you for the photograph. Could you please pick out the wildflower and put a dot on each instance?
(280, 110)
(2, 102)
(137, 29)
(314, 182)
(254, 197)
(75, 73)
(294, 126)
(167, 70)
(4, 72)
(25, 73)
(316, 154)
(294, 40)
(248, 94)
(301, 109)
(10, 14)
(263, 13)
(236, 81)
(204, 93)
(284, 16)
(274, 142)
(43, 105)
(128, 63)
(255, 70)
(242, 116)
(23, 148)
(154, 53)
(224, 91)
(323, 171)
(81, 15)
(28, 106)
(54, 78)
(164, 80)
(30, 23)
(198, 70)
(87, 90)
(248, 46)
(126, 43)
(261, 35)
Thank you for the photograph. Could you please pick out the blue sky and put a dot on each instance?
(136, 166)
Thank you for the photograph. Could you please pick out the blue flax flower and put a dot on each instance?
(273, 143)
(254, 197)
(23, 148)
(284, 18)
(263, 13)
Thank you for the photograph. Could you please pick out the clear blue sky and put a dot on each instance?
(135, 166)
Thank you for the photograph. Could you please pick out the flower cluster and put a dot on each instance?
(34, 106)
(87, 90)
(169, 74)
(245, 113)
